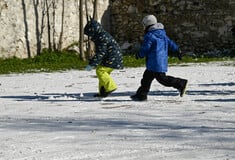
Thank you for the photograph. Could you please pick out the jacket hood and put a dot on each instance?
(93, 29)
(156, 26)
(158, 30)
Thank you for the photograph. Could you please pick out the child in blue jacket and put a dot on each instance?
(155, 49)
(107, 57)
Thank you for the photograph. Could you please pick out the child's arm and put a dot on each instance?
(99, 54)
(146, 46)
(175, 48)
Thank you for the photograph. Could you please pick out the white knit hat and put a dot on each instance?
(149, 20)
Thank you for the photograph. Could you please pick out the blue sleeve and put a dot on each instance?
(172, 45)
(146, 46)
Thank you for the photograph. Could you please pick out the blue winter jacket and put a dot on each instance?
(155, 48)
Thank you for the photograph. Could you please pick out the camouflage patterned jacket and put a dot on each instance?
(107, 50)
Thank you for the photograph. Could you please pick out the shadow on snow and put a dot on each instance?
(65, 97)
(118, 127)
(88, 97)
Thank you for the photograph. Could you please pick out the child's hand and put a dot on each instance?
(89, 68)
(136, 56)
(180, 54)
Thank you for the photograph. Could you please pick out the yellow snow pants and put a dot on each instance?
(105, 80)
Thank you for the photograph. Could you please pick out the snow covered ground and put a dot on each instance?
(42, 116)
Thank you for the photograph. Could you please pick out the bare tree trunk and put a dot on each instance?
(48, 25)
(88, 46)
(81, 37)
(95, 15)
(38, 37)
(26, 29)
(53, 25)
(43, 5)
(62, 28)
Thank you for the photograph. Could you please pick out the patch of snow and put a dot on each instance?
(54, 116)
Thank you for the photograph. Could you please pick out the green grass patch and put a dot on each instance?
(187, 59)
(130, 61)
(61, 61)
(46, 62)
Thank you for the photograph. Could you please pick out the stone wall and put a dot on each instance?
(24, 25)
(196, 25)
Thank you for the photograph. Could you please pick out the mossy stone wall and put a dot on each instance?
(196, 25)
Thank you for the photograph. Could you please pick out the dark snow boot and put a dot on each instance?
(137, 97)
(103, 93)
(184, 87)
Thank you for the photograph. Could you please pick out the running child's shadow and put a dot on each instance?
(88, 97)
(66, 97)
(85, 97)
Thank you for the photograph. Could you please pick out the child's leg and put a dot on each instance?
(142, 92)
(146, 82)
(105, 80)
(170, 81)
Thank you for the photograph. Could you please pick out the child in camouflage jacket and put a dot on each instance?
(107, 57)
